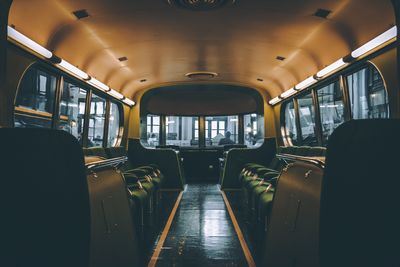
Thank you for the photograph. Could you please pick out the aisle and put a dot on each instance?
(202, 233)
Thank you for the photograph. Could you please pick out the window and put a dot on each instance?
(34, 105)
(182, 131)
(290, 130)
(253, 130)
(114, 127)
(307, 120)
(368, 97)
(222, 130)
(153, 131)
(72, 109)
(331, 107)
(96, 121)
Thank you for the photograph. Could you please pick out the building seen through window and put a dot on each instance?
(253, 130)
(182, 131)
(96, 121)
(331, 106)
(153, 131)
(34, 105)
(368, 97)
(72, 109)
(307, 120)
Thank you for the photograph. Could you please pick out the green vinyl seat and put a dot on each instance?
(139, 200)
(263, 211)
(132, 178)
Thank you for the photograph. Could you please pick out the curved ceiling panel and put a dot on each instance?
(240, 42)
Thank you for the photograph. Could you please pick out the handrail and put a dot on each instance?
(106, 163)
(313, 160)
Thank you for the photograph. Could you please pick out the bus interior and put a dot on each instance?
(199, 133)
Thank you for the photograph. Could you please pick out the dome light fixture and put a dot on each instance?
(201, 75)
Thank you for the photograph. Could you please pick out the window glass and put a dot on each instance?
(253, 130)
(153, 131)
(96, 121)
(368, 97)
(290, 131)
(222, 130)
(114, 125)
(307, 120)
(34, 105)
(182, 131)
(72, 109)
(331, 107)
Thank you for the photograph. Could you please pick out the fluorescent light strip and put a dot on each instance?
(274, 100)
(99, 84)
(25, 41)
(374, 43)
(116, 94)
(74, 70)
(288, 93)
(307, 82)
(329, 69)
(129, 102)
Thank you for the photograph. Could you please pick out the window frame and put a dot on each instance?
(55, 117)
(341, 77)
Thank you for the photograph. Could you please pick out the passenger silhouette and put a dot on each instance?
(226, 140)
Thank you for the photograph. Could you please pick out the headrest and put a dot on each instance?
(45, 198)
(360, 195)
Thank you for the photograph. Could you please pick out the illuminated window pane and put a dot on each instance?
(72, 109)
(307, 120)
(182, 131)
(35, 99)
(114, 125)
(331, 107)
(222, 130)
(368, 97)
(290, 131)
(97, 121)
(152, 137)
(253, 130)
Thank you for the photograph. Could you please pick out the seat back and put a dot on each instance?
(44, 199)
(359, 224)
(116, 152)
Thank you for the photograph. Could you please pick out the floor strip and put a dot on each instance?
(246, 250)
(164, 234)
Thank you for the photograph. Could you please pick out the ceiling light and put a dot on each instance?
(274, 100)
(288, 93)
(25, 41)
(96, 83)
(307, 82)
(73, 70)
(116, 94)
(129, 102)
(374, 43)
(334, 66)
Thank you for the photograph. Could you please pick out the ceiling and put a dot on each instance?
(240, 42)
